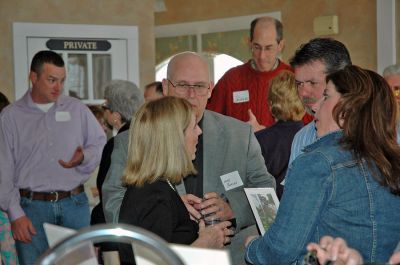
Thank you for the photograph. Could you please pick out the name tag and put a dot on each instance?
(241, 96)
(63, 116)
(231, 180)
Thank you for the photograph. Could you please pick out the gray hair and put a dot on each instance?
(392, 70)
(123, 97)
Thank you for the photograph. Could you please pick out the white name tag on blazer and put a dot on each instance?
(241, 96)
(63, 116)
(231, 180)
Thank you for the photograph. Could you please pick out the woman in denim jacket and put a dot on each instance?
(347, 183)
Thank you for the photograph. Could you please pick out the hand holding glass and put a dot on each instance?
(210, 218)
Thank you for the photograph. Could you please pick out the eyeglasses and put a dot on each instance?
(200, 89)
(396, 91)
(257, 48)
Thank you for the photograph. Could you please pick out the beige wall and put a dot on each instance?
(357, 23)
(357, 20)
(398, 30)
(105, 12)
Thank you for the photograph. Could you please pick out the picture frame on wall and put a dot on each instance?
(264, 204)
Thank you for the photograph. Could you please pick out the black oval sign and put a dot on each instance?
(78, 45)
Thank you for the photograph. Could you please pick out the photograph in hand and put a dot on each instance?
(264, 204)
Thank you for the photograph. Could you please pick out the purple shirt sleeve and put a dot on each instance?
(94, 141)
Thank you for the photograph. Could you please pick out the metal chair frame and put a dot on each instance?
(121, 233)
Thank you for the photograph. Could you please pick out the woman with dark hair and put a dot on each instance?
(98, 112)
(347, 183)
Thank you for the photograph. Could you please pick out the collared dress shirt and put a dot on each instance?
(33, 141)
(307, 135)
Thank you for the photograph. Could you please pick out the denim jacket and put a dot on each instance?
(329, 192)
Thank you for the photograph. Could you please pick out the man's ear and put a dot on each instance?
(165, 87)
(281, 45)
(210, 90)
(33, 77)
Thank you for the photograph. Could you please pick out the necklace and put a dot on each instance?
(172, 187)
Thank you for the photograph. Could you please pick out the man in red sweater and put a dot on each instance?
(242, 91)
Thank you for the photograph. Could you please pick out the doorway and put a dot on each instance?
(93, 55)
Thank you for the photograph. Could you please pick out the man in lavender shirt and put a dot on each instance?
(49, 145)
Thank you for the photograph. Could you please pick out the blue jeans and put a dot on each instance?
(72, 212)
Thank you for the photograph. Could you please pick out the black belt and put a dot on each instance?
(50, 196)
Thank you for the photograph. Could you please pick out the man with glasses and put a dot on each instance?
(242, 91)
(228, 158)
(392, 76)
(311, 63)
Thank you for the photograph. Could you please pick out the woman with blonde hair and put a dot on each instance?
(276, 141)
(347, 183)
(162, 144)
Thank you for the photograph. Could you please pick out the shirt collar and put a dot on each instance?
(254, 66)
(325, 140)
(27, 101)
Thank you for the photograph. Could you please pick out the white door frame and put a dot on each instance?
(386, 33)
(22, 31)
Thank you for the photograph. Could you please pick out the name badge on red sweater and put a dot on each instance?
(241, 96)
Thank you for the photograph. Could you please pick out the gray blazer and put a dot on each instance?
(228, 145)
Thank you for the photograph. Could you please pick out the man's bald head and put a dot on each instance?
(187, 59)
(189, 68)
